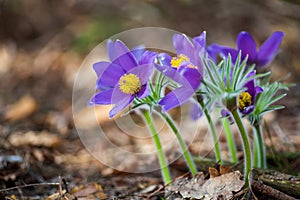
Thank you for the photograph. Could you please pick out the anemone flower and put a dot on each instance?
(185, 69)
(246, 100)
(124, 78)
(246, 44)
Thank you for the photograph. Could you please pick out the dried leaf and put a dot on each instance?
(149, 189)
(189, 187)
(32, 138)
(223, 186)
(7, 56)
(93, 116)
(61, 195)
(213, 172)
(220, 187)
(92, 190)
(21, 109)
(225, 170)
(59, 121)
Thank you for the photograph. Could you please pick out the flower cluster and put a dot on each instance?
(194, 75)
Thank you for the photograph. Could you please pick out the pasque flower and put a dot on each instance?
(185, 68)
(246, 100)
(246, 44)
(124, 78)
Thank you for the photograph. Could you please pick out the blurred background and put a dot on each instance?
(43, 43)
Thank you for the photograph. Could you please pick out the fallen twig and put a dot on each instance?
(28, 185)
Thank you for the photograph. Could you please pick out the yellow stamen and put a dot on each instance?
(244, 100)
(177, 61)
(129, 84)
(192, 66)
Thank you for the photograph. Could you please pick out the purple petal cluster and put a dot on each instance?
(245, 43)
(246, 100)
(185, 68)
(124, 78)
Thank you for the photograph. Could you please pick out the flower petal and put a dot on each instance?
(186, 76)
(112, 54)
(165, 59)
(268, 49)
(171, 73)
(257, 90)
(109, 76)
(138, 52)
(100, 67)
(184, 46)
(143, 72)
(250, 87)
(110, 96)
(120, 106)
(224, 113)
(102, 98)
(175, 98)
(145, 91)
(247, 110)
(247, 45)
(200, 40)
(195, 111)
(125, 57)
(224, 51)
(118, 95)
(148, 57)
(116, 49)
(213, 51)
(192, 77)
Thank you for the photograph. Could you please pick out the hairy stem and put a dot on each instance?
(230, 140)
(213, 132)
(161, 156)
(261, 151)
(187, 156)
(246, 144)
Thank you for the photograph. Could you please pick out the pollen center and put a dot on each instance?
(177, 61)
(129, 84)
(244, 100)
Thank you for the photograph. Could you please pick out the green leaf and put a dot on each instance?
(262, 75)
(236, 69)
(228, 70)
(277, 98)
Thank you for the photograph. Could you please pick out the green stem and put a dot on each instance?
(186, 153)
(261, 147)
(213, 132)
(230, 140)
(246, 144)
(161, 156)
(256, 155)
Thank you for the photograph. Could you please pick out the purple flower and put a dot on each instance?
(185, 69)
(246, 44)
(212, 50)
(246, 100)
(124, 78)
